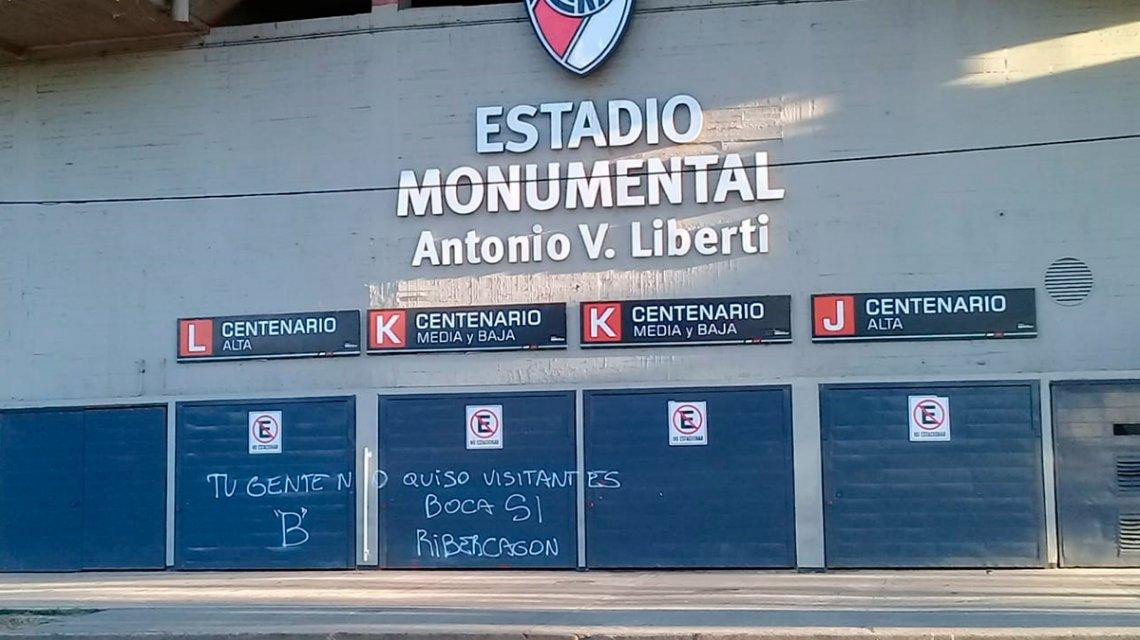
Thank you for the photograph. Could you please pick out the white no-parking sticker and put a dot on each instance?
(484, 426)
(929, 418)
(688, 423)
(265, 432)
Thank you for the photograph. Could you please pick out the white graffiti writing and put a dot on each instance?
(293, 535)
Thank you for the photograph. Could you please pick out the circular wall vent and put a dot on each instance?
(1068, 281)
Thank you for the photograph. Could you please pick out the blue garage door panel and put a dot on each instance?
(974, 501)
(725, 504)
(124, 488)
(446, 506)
(293, 509)
(41, 490)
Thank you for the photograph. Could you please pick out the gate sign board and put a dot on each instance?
(924, 315)
(929, 418)
(490, 328)
(484, 426)
(688, 423)
(265, 432)
(687, 321)
(281, 335)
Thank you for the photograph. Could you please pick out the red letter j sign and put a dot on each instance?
(834, 315)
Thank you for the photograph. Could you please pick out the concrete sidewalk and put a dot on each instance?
(485, 604)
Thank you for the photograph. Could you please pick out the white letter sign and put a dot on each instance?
(688, 424)
(929, 418)
(265, 432)
(484, 426)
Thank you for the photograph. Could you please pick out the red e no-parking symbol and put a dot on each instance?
(265, 428)
(485, 426)
(929, 415)
(688, 418)
(688, 423)
(483, 423)
(265, 432)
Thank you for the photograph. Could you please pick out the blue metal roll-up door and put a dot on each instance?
(291, 509)
(1096, 435)
(41, 509)
(728, 503)
(442, 504)
(124, 488)
(83, 489)
(976, 500)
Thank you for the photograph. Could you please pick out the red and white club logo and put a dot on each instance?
(929, 414)
(834, 315)
(387, 329)
(265, 428)
(579, 34)
(688, 419)
(601, 322)
(195, 338)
